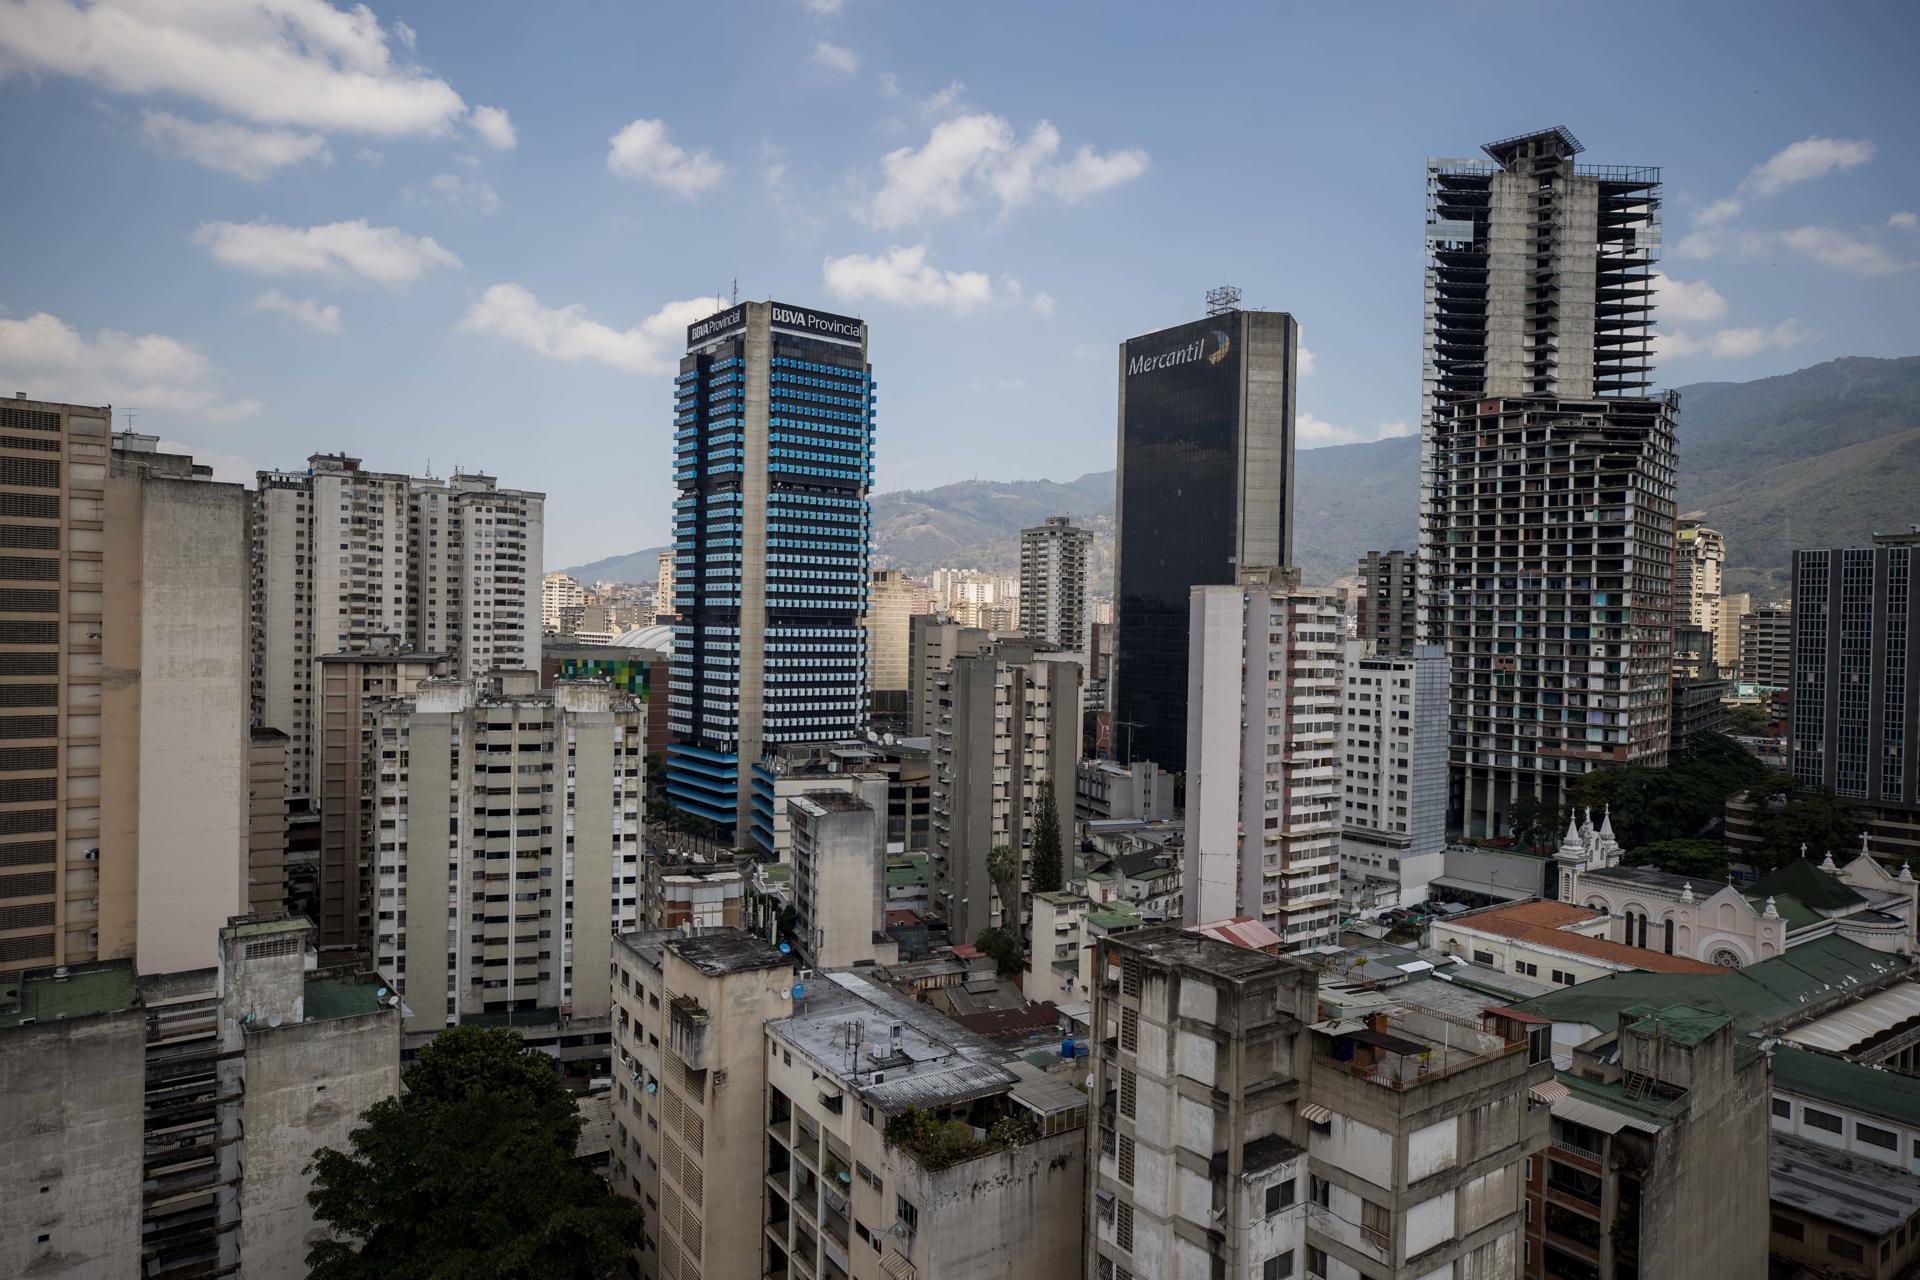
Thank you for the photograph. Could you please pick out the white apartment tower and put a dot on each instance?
(508, 845)
(558, 593)
(1263, 754)
(1053, 584)
(1700, 554)
(342, 555)
(1393, 748)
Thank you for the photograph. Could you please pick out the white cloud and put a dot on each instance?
(48, 359)
(512, 313)
(1843, 252)
(309, 315)
(1699, 244)
(1712, 215)
(370, 158)
(944, 100)
(1729, 344)
(1042, 303)
(889, 85)
(1306, 363)
(903, 276)
(1805, 160)
(462, 193)
(385, 255)
(836, 57)
(978, 151)
(494, 127)
(642, 150)
(822, 8)
(253, 154)
(1910, 221)
(1686, 302)
(281, 62)
(1311, 432)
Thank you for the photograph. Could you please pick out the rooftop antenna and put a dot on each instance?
(130, 412)
(736, 291)
(1222, 300)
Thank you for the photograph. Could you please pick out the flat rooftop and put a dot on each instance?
(938, 1063)
(85, 991)
(1867, 1195)
(1209, 955)
(829, 801)
(1887, 1094)
(724, 951)
(342, 995)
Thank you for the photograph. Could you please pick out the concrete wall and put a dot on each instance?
(71, 1118)
(1013, 1214)
(1703, 1206)
(307, 1085)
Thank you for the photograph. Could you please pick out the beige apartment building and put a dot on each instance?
(346, 687)
(342, 555)
(890, 611)
(689, 1074)
(867, 1091)
(839, 875)
(1264, 773)
(123, 778)
(1054, 567)
(933, 644)
(507, 851)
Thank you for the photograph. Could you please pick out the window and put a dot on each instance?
(1322, 1192)
(1483, 957)
(1279, 1196)
(1788, 1229)
(1564, 979)
(1316, 1261)
(1841, 1247)
(907, 1214)
(1783, 1108)
(1278, 1267)
(1376, 1224)
(1814, 1118)
(1875, 1136)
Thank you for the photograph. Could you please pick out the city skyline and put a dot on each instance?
(518, 261)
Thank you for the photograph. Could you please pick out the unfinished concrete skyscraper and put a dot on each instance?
(1547, 471)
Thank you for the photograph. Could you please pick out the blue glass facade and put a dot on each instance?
(772, 530)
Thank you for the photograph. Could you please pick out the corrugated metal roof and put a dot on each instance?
(1595, 1116)
(1549, 1091)
(1842, 1029)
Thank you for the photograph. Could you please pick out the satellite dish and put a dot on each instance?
(653, 1086)
(786, 948)
(889, 739)
(799, 990)
(273, 1019)
(380, 993)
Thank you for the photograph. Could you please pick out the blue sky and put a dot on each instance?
(471, 234)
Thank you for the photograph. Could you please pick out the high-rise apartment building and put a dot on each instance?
(1700, 556)
(663, 588)
(690, 1074)
(1205, 488)
(887, 621)
(1393, 749)
(1726, 644)
(1385, 611)
(773, 453)
(1547, 472)
(342, 555)
(933, 643)
(1053, 584)
(1855, 670)
(125, 828)
(1251, 1126)
(508, 846)
(1263, 755)
(1766, 646)
(1009, 720)
(347, 687)
(559, 592)
(840, 874)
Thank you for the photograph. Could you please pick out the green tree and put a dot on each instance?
(1748, 721)
(469, 1174)
(1046, 842)
(1532, 823)
(1818, 820)
(1000, 944)
(1705, 860)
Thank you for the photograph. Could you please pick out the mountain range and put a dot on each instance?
(1824, 456)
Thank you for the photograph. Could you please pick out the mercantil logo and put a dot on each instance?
(1195, 350)
(1220, 352)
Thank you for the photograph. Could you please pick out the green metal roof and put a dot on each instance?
(254, 928)
(1796, 913)
(340, 998)
(1753, 997)
(1680, 1023)
(87, 991)
(1114, 916)
(901, 877)
(1060, 897)
(1807, 882)
(1615, 1097)
(1848, 1084)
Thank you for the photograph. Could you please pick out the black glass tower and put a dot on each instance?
(1204, 488)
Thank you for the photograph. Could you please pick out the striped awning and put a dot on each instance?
(896, 1265)
(1594, 1116)
(1549, 1092)
(1314, 1113)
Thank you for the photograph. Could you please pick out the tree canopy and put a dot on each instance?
(1748, 720)
(1047, 860)
(469, 1174)
(1651, 805)
(1705, 860)
(999, 944)
(1788, 819)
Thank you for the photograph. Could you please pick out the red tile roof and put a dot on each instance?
(1545, 924)
(1241, 931)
